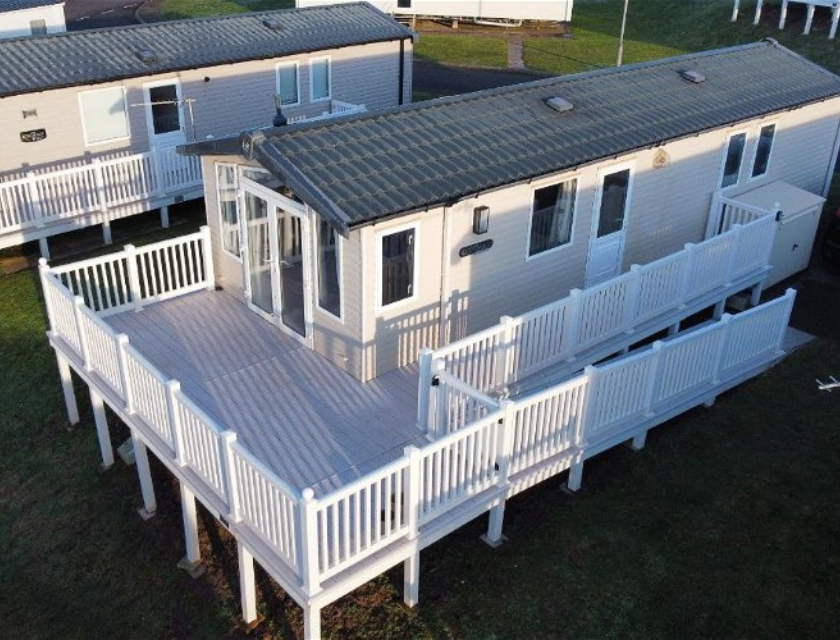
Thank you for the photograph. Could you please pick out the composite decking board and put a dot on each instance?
(267, 387)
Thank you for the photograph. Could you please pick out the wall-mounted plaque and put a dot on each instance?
(478, 247)
(36, 135)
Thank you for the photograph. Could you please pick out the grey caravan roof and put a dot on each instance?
(103, 55)
(360, 169)
(18, 5)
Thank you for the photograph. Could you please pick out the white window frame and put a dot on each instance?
(286, 65)
(235, 168)
(82, 117)
(379, 307)
(312, 62)
(762, 125)
(339, 256)
(729, 137)
(536, 186)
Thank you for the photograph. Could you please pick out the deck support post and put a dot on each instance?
(67, 388)
(758, 9)
(575, 474)
(247, 586)
(835, 20)
(147, 487)
(102, 430)
(674, 329)
(107, 238)
(809, 21)
(164, 216)
(720, 308)
(735, 9)
(755, 295)
(494, 536)
(44, 247)
(638, 442)
(411, 580)
(311, 622)
(191, 562)
(783, 16)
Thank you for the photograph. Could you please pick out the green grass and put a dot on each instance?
(177, 9)
(473, 51)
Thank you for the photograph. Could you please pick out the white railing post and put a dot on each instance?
(715, 213)
(133, 276)
(34, 198)
(160, 174)
(632, 309)
(737, 232)
(688, 271)
(436, 403)
(504, 355)
(226, 440)
(308, 544)
(726, 327)
(790, 294)
(122, 363)
(207, 255)
(586, 421)
(173, 387)
(101, 198)
(571, 325)
(424, 388)
(504, 453)
(653, 378)
(43, 273)
(411, 499)
(78, 305)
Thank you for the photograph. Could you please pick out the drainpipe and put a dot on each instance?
(446, 258)
(832, 165)
(401, 92)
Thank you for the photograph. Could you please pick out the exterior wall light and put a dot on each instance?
(481, 220)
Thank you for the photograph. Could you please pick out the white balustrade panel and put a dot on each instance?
(101, 344)
(710, 265)
(148, 394)
(16, 208)
(539, 338)
(361, 518)
(265, 504)
(62, 312)
(620, 392)
(686, 366)
(101, 282)
(460, 405)
(756, 333)
(171, 268)
(548, 424)
(660, 286)
(128, 179)
(66, 194)
(474, 361)
(201, 442)
(755, 246)
(458, 466)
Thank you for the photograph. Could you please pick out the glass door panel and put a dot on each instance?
(259, 253)
(290, 253)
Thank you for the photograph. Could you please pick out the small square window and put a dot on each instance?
(397, 276)
(38, 27)
(552, 214)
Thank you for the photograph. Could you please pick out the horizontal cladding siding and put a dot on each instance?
(235, 98)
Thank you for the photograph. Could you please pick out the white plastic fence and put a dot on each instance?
(521, 346)
(127, 279)
(726, 212)
(39, 199)
(457, 405)
(337, 108)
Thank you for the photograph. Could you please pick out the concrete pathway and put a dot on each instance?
(516, 60)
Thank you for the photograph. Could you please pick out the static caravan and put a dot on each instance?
(353, 246)
(91, 119)
(31, 18)
(472, 10)
(427, 223)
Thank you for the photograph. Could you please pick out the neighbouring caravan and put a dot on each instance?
(31, 18)
(91, 119)
(423, 224)
(475, 10)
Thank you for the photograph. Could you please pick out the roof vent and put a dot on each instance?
(695, 77)
(272, 23)
(146, 56)
(560, 105)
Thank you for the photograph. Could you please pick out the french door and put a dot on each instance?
(277, 264)
(609, 225)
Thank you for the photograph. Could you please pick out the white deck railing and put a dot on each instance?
(519, 347)
(41, 199)
(488, 446)
(337, 109)
(726, 212)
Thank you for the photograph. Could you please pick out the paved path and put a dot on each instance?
(516, 55)
(93, 14)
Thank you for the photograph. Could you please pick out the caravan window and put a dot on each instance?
(228, 208)
(319, 70)
(733, 157)
(287, 83)
(104, 116)
(397, 268)
(763, 149)
(552, 215)
(329, 270)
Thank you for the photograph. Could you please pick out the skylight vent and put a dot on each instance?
(694, 77)
(146, 56)
(273, 24)
(560, 105)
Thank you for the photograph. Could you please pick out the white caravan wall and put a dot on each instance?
(17, 23)
(557, 10)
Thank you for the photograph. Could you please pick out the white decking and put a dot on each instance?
(311, 423)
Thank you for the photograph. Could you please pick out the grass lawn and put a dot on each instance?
(473, 51)
(177, 9)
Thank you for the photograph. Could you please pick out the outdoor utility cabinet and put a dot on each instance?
(800, 216)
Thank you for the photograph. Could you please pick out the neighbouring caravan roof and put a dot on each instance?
(102, 55)
(551, 10)
(20, 5)
(360, 169)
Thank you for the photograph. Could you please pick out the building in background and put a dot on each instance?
(31, 18)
